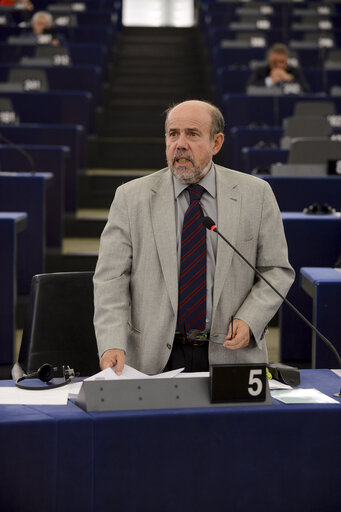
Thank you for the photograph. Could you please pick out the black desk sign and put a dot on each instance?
(238, 383)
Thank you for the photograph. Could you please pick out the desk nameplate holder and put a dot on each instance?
(142, 394)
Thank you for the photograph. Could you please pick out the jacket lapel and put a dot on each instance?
(162, 205)
(228, 204)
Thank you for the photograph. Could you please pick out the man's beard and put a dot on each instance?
(193, 175)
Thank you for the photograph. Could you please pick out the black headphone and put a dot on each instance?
(316, 209)
(45, 373)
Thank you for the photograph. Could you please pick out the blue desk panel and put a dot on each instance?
(249, 136)
(131, 461)
(72, 136)
(65, 78)
(262, 158)
(46, 159)
(77, 34)
(24, 192)
(80, 53)
(240, 109)
(230, 80)
(62, 107)
(49, 455)
(11, 223)
(323, 285)
(314, 241)
(293, 194)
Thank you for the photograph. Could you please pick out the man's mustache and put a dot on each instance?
(182, 153)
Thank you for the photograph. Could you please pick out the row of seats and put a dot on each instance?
(51, 101)
(291, 140)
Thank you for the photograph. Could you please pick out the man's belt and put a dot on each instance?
(194, 338)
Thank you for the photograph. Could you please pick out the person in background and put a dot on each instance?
(26, 3)
(42, 25)
(277, 71)
(168, 294)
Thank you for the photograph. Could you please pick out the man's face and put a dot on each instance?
(278, 60)
(189, 148)
(40, 24)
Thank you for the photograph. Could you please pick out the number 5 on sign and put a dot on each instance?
(238, 383)
(255, 382)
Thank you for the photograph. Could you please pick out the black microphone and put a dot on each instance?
(21, 151)
(209, 224)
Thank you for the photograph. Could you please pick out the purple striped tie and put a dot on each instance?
(192, 282)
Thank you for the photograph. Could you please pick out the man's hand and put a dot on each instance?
(240, 337)
(280, 75)
(113, 357)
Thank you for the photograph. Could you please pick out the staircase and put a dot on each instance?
(151, 69)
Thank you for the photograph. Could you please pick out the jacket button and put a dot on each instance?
(169, 346)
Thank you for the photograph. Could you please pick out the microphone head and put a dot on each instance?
(208, 223)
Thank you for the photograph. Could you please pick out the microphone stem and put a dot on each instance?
(21, 151)
(330, 345)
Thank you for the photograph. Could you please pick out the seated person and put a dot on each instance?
(41, 24)
(277, 71)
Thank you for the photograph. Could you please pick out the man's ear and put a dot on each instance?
(218, 141)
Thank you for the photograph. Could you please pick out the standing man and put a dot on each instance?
(165, 288)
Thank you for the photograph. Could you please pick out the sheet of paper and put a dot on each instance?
(194, 374)
(302, 396)
(130, 373)
(276, 384)
(13, 395)
(338, 372)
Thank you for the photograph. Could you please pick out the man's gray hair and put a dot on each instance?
(218, 121)
(46, 15)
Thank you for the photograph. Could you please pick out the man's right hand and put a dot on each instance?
(113, 357)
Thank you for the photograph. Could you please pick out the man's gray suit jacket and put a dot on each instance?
(136, 277)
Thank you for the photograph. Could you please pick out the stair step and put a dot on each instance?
(83, 227)
(78, 261)
(97, 187)
(165, 92)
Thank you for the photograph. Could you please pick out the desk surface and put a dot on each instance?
(19, 219)
(238, 458)
(322, 274)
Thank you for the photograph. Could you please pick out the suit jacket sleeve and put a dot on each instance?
(262, 302)
(112, 278)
